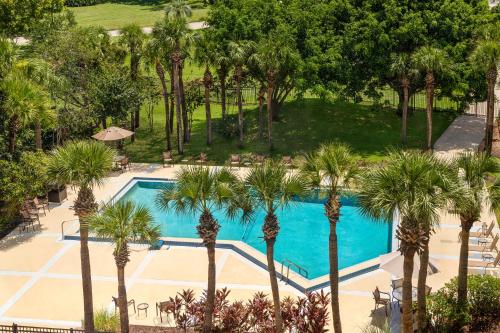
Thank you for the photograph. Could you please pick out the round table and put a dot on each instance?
(142, 307)
(397, 293)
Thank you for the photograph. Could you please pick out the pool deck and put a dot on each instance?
(40, 273)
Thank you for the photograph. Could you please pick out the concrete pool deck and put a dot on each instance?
(40, 273)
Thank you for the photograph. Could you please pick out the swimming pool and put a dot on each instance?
(303, 236)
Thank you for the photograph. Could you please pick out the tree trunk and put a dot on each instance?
(222, 77)
(104, 122)
(270, 86)
(207, 81)
(13, 128)
(240, 105)
(161, 75)
(132, 126)
(122, 300)
(332, 210)
(491, 77)
(404, 121)
(422, 280)
(209, 308)
(185, 120)
(463, 261)
(407, 318)
(38, 134)
(176, 60)
(429, 87)
(172, 98)
(134, 75)
(274, 284)
(262, 92)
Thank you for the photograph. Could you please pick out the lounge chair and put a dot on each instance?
(488, 247)
(484, 232)
(129, 303)
(487, 262)
(167, 158)
(202, 159)
(287, 161)
(381, 299)
(235, 160)
(124, 164)
(258, 159)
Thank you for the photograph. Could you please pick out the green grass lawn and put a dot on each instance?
(115, 15)
(303, 127)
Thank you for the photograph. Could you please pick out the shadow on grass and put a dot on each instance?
(141, 2)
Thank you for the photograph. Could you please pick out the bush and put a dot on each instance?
(106, 322)
(228, 127)
(81, 3)
(482, 310)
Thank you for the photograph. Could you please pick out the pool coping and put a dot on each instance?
(293, 279)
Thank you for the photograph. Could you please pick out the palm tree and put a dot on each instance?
(261, 98)
(158, 53)
(272, 189)
(7, 56)
(334, 165)
(83, 164)
(124, 223)
(202, 190)
(486, 57)
(473, 170)
(133, 38)
(402, 68)
(412, 183)
(239, 53)
(223, 65)
(430, 60)
(178, 8)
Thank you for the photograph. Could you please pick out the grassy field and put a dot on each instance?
(303, 127)
(117, 14)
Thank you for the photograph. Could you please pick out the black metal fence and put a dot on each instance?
(14, 328)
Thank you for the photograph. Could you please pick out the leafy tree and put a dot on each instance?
(83, 164)
(273, 188)
(335, 165)
(201, 190)
(485, 58)
(177, 9)
(124, 223)
(7, 56)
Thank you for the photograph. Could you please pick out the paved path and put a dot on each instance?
(465, 133)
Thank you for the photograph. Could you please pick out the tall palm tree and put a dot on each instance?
(273, 188)
(202, 190)
(223, 65)
(83, 164)
(331, 168)
(402, 68)
(239, 54)
(473, 170)
(7, 56)
(261, 98)
(178, 8)
(124, 223)
(412, 183)
(133, 38)
(486, 57)
(157, 53)
(430, 60)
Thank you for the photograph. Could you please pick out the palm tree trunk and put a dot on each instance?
(134, 74)
(13, 128)
(122, 299)
(176, 60)
(222, 77)
(407, 319)
(207, 81)
(172, 98)
(104, 122)
(185, 120)
(262, 91)
(490, 107)
(240, 106)
(161, 75)
(132, 125)
(210, 306)
(404, 120)
(270, 230)
(270, 87)
(38, 134)
(429, 82)
(422, 280)
(332, 209)
(463, 261)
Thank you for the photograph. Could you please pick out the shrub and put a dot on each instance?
(228, 127)
(482, 310)
(105, 321)
(81, 3)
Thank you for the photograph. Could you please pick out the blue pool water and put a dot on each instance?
(303, 237)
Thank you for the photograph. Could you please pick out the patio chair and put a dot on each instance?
(258, 159)
(287, 161)
(398, 283)
(28, 220)
(235, 160)
(166, 307)
(484, 232)
(168, 158)
(124, 164)
(381, 298)
(487, 247)
(202, 159)
(427, 290)
(38, 204)
(488, 261)
(129, 303)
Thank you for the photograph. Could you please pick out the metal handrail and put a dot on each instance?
(287, 263)
(62, 226)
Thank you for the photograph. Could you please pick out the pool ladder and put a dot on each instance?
(287, 263)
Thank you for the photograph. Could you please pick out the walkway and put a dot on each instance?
(465, 133)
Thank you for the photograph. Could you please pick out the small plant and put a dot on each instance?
(105, 321)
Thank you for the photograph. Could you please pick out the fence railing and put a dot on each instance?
(14, 328)
(480, 109)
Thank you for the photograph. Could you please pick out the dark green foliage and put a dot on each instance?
(481, 312)
(81, 3)
(228, 127)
